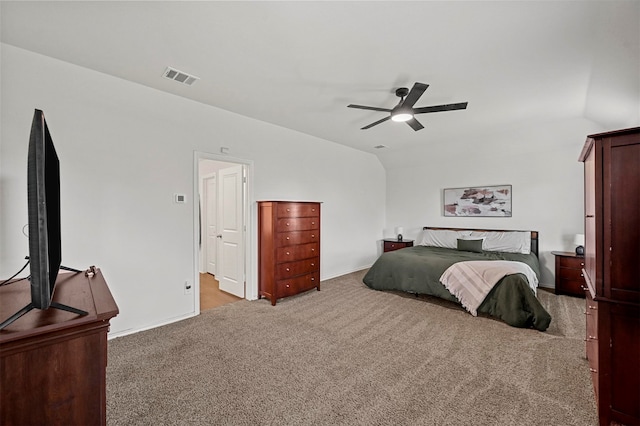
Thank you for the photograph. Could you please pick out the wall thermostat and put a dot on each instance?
(180, 198)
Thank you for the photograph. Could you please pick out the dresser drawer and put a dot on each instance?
(303, 251)
(301, 267)
(571, 287)
(591, 339)
(297, 237)
(298, 210)
(289, 287)
(297, 224)
(591, 314)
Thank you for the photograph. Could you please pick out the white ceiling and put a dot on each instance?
(299, 64)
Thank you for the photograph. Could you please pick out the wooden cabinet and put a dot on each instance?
(612, 272)
(569, 275)
(394, 244)
(288, 248)
(52, 362)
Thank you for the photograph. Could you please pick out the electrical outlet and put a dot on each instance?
(188, 288)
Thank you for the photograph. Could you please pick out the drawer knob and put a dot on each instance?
(287, 285)
(313, 249)
(288, 210)
(287, 223)
(592, 307)
(586, 313)
(593, 370)
(313, 236)
(313, 279)
(288, 253)
(592, 338)
(313, 210)
(313, 223)
(288, 269)
(313, 264)
(287, 238)
(582, 264)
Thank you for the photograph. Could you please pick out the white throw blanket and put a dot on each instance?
(471, 281)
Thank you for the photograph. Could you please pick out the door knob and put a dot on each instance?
(219, 236)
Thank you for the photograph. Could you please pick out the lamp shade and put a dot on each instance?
(578, 239)
(399, 230)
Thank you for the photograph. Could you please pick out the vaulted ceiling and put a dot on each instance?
(299, 64)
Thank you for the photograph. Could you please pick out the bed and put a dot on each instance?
(418, 270)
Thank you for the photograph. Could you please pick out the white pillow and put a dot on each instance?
(442, 238)
(510, 242)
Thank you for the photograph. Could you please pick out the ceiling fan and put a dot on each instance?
(405, 111)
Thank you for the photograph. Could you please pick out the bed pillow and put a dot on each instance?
(468, 244)
(442, 238)
(510, 242)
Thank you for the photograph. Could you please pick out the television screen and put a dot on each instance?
(43, 205)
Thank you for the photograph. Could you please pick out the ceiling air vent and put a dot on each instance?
(179, 76)
(380, 146)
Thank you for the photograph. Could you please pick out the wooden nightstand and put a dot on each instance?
(391, 244)
(569, 277)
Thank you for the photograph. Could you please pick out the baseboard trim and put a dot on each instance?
(129, 331)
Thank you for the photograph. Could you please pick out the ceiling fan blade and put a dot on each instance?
(415, 124)
(376, 123)
(416, 91)
(368, 107)
(438, 108)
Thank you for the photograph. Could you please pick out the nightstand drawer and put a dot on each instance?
(391, 245)
(572, 262)
(570, 274)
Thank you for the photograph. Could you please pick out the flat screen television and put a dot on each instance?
(43, 209)
(43, 206)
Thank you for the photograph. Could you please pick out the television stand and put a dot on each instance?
(54, 305)
(53, 362)
(30, 306)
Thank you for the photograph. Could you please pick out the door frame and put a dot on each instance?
(204, 247)
(251, 284)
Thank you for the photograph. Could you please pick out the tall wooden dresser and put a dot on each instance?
(612, 272)
(288, 248)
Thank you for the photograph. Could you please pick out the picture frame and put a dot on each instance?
(478, 201)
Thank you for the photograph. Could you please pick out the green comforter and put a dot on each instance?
(418, 270)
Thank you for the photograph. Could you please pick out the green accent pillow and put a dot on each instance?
(470, 245)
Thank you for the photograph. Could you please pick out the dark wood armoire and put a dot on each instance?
(612, 272)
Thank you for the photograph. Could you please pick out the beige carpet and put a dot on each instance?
(349, 355)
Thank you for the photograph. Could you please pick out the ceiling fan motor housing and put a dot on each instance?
(401, 92)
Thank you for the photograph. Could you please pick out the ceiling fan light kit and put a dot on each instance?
(404, 111)
(401, 117)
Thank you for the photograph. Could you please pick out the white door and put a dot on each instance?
(211, 217)
(230, 231)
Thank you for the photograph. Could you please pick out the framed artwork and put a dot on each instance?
(487, 201)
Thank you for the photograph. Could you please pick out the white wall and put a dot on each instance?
(539, 160)
(125, 149)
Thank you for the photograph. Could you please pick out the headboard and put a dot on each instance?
(534, 234)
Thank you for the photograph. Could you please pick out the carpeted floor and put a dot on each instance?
(349, 355)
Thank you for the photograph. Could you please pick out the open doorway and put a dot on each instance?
(221, 206)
